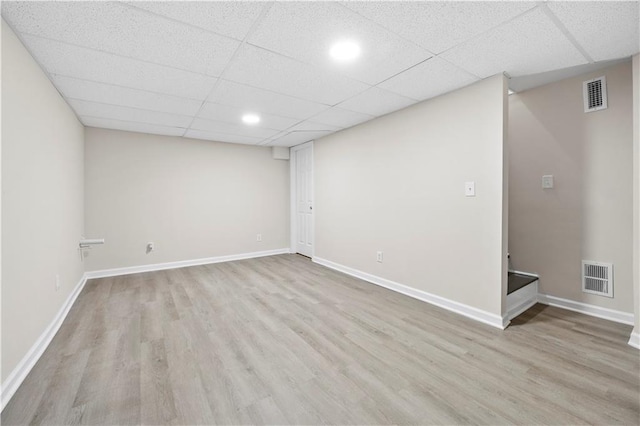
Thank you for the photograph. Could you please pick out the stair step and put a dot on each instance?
(517, 281)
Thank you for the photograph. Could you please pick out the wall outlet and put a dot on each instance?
(150, 246)
(57, 282)
(469, 189)
(258, 237)
(547, 182)
(379, 257)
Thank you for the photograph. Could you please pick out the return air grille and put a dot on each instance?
(597, 278)
(594, 93)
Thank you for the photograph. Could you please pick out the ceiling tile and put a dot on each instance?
(307, 30)
(376, 102)
(428, 79)
(233, 115)
(296, 138)
(116, 28)
(124, 96)
(260, 68)
(605, 30)
(228, 18)
(439, 25)
(243, 96)
(131, 126)
(87, 64)
(527, 82)
(290, 81)
(312, 126)
(527, 45)
(221, 137)
(233, 129)
(341, 117)
(114, 112)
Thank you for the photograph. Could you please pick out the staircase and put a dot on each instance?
(522, 291)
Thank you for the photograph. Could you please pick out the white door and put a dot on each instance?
(304, 200)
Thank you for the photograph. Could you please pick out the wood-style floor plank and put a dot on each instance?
(281, 340)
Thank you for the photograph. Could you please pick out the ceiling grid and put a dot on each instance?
(193, 69)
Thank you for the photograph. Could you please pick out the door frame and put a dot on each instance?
(292, 196)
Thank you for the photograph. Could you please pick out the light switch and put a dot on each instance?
(469, 189)
(547, 181)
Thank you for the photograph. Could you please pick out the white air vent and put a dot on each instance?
(597, 278)
(594, 93)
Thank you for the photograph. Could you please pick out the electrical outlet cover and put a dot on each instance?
(470, 189)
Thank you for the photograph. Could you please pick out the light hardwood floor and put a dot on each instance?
(280, 340)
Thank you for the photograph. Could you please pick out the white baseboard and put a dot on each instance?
(450, 305)
(17, 376)
(181, 264)
(522, 299)
(584, 308)
(634, 340)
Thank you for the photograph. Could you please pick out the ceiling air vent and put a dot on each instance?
(597, 278)
(594, 93)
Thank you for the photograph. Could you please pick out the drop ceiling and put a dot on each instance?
(193, 69)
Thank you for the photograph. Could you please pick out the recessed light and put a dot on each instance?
(251, 118)
(345, 50)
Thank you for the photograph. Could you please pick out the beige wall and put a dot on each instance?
(194, 199)
(396, 184)
(636, 191)
(588, 215)
(42, 201)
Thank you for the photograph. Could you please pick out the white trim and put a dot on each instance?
(584, 308)
(505, 321)
(20, 372)
(634, 340)
(450, 305)
(292, 201)
(181, 263)
(522, 299)
(528, 274)
(292, 197)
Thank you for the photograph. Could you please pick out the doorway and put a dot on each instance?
(302, 238)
